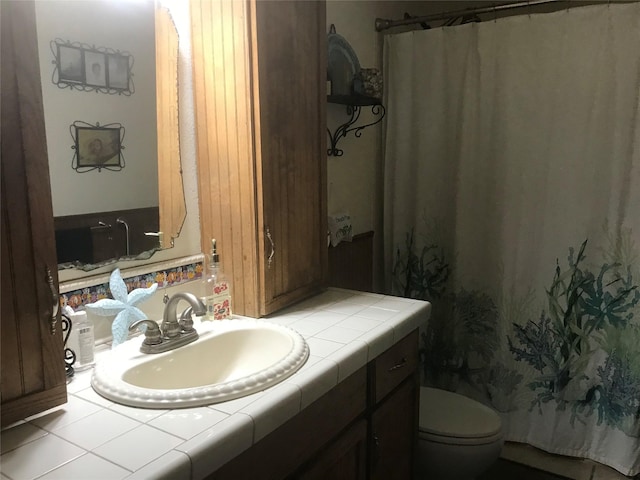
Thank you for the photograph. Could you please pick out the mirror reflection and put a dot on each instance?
(102, 215)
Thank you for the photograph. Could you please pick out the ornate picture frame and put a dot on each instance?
(97, 146)
(88, 68)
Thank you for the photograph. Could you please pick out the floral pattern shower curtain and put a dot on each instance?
(512, 203)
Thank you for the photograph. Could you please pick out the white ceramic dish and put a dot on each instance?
(343, 64)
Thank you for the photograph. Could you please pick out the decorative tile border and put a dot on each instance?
(168, 277)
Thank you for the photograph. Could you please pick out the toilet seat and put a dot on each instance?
(450, 418)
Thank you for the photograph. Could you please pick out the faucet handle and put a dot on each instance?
(186, 322)
(152, 335)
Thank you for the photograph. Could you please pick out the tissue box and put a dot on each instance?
(340, 228)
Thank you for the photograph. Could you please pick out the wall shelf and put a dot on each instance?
(354, 104)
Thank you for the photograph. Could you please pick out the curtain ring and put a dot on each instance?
(529, 9)
(495, 14)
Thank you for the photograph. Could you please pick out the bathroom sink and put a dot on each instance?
(231, 359)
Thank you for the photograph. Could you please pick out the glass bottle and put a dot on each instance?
(216, 288)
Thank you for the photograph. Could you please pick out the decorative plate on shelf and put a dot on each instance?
(343, 64)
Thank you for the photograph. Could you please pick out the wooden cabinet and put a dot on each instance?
(365, 427)
(298, 441)
(344, 459)
(33, 377)
(260, 90)
(394, 392)
(394, 406)
(393, 434)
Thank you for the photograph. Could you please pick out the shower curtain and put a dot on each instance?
(512, 203)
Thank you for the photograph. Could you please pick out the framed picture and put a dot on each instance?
(118, 68)
(79, 66)
(97, 147)
(70, 64)
(95, 72)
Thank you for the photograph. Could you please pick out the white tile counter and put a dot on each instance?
(91, 437)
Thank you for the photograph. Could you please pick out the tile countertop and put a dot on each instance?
(91, 437)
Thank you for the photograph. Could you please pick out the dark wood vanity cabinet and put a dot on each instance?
(345, 458)
(365, 427)
(33, 375)
(394, 391)
(393, 434)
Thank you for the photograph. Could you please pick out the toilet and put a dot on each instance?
(458, 438)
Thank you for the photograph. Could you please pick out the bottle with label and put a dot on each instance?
(81, 338)
(216, 288)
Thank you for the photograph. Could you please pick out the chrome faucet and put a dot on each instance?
(126, 226)
(172, 333)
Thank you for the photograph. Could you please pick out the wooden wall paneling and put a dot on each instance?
(351, 263)
(225, 155)
(225, 97)
(202, 44)
(245, 239)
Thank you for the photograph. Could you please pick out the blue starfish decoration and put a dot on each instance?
(123, 306)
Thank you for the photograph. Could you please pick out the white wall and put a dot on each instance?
(126, 26)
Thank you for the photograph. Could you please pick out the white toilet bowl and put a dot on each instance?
(459, 438)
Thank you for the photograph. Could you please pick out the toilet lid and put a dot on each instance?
(452, 415)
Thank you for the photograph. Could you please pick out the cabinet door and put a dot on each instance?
(260, 100)
(394, 433)
(33, 377)
(291, 67)
(344, 459)
(296, 443)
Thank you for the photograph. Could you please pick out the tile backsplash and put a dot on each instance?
(166, 277)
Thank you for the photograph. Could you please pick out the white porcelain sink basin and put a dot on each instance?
(231, 359)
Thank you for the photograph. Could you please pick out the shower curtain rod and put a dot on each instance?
(383, 24)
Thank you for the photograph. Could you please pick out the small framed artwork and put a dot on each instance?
(97, 146)
(118, 69)
(70, 64)
(79, 66)
(95, 72)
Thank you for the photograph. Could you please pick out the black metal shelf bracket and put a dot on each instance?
(353, 111)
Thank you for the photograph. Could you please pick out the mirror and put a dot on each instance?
(107, 215)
